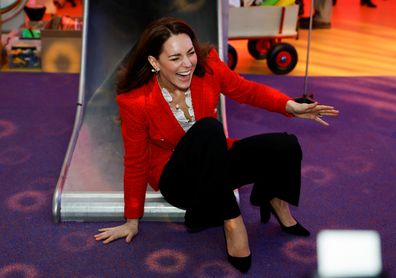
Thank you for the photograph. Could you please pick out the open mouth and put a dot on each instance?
(184, 74)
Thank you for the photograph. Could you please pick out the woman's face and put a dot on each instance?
(176, 63)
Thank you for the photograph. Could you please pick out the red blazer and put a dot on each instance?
(150, 131)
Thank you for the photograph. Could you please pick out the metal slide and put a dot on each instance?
(90, 186)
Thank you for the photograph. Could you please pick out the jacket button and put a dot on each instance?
(215, 110)
(162, 139)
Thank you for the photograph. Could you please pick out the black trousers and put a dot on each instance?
(202, 172)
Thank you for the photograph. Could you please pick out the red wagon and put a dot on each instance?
(264, 27)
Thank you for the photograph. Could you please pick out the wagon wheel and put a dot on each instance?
(232, 58)
(259, 48)
(282, 58)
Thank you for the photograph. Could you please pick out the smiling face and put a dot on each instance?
(176, 63)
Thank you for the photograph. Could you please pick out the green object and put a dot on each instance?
(269, 2)
(30, 34)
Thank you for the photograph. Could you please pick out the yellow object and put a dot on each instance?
(61, 51)
(19, 61)
(285, 3)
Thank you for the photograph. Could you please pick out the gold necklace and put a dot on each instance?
(173, 96)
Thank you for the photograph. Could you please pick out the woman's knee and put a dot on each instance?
(209, 125)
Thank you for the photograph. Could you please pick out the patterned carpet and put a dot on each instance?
(349, 173)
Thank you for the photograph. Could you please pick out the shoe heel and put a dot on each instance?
(265, 213)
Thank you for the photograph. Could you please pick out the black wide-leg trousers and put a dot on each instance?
(202, 172)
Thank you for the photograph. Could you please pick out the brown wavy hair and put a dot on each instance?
(137, 70)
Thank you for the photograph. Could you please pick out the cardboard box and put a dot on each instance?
(61, 49)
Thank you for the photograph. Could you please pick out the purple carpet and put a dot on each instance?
(349, 178)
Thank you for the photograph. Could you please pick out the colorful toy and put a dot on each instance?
(24, 57)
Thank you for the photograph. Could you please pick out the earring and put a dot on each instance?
(154, 70)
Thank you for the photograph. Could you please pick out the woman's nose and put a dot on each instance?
(187, 62)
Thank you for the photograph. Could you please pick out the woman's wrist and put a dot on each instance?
(290, 106)
(132, 221)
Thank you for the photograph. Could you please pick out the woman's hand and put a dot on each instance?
(128, 230)
(312, 111)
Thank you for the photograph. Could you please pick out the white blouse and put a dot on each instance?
(178, 113)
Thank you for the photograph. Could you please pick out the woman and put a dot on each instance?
(168, 95)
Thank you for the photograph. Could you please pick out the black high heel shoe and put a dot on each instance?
(296, 229)
(367, 3)
(241, 263)
(265, 215)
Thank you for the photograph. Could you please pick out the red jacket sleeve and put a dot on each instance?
(245, 91)
(136, 155)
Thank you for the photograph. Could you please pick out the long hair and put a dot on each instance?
(137, 70)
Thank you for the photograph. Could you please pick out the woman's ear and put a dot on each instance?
(153, 62)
